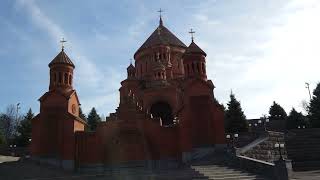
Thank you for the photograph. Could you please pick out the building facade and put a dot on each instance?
(167, 113)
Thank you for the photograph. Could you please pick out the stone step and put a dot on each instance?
(224, 173)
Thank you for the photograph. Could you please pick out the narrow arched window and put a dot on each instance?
(188, 69)
(65, 78)
(54, 77)
(70, 79)
(192, 65)
(140, 69)
(60, 77)
(159, 74)
(198, 68)
(146, 66)
(204, 68)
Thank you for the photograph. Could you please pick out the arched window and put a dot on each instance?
(192, 65)
(159, 74)
(146, 66)
(204, 68)
(140, 69)
(198, 68)
(60, 77)
(188, 69)
(54, 77)
(70, 79)
(65, 78)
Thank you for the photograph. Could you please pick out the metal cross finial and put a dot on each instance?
(192, 32)
(62, 41)
(160, 11)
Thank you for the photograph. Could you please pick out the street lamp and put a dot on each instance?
(232, 139)
(265, 124)
(308, 87)
(279, 145)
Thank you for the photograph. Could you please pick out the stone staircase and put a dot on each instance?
(218, 172)
(196, 171)
(303, 149)
(264, 150)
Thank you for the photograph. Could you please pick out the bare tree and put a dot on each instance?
(305, 106)
(8, 122)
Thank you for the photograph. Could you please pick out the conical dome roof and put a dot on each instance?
(161, 36)
(194, 49)
(130, 67)
(61, 58)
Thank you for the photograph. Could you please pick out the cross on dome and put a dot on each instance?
(192, 32)
(62, 41)
(160, 13)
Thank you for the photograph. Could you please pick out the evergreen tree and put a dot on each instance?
(234, 117)
(24, 129)
(82, 115)
(314, 108)
(276, 112)
(295, 119)
(223, 108)
(2, 138)
(93, 119)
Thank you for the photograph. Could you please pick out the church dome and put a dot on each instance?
(194, 49)
(130, 67)
(161, 36)
(61, 58)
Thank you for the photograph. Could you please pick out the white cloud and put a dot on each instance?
(264, 58)
(88, 77)
(264, 52)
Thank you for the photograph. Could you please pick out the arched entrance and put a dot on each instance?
(164, 111)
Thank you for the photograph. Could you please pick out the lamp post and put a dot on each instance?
(279, 145)
(231, 140)
(308, 87)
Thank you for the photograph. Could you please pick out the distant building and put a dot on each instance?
(166, 112)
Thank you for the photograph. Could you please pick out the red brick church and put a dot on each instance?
(167, 112)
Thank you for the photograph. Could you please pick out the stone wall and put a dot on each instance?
(265, 150)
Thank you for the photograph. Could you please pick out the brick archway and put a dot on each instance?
(163, 110)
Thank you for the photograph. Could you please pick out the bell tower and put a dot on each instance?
(194, 60)
(61, 72)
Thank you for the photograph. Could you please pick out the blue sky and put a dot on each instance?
(262, 50)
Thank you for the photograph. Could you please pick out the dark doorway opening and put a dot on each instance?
(162, 110)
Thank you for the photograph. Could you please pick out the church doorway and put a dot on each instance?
(162, 110)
